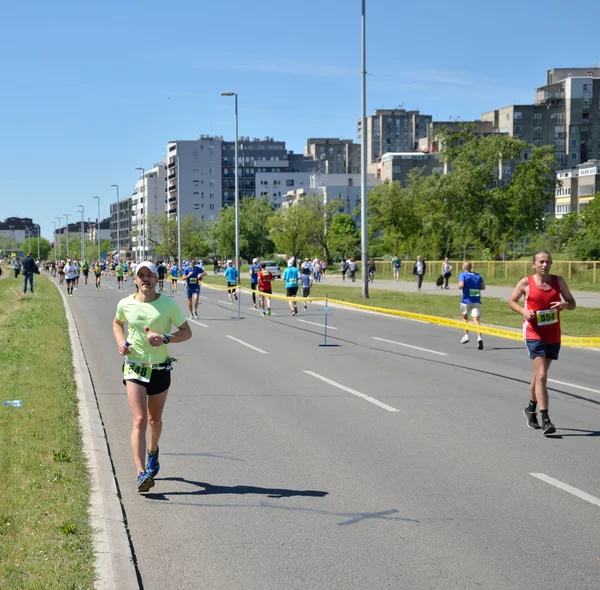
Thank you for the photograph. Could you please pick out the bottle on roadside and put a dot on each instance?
(15, 403)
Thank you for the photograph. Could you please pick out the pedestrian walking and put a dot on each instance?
(344, 268)
(16, 267)
(546, 295)
(352, 268)
(446, 272)
(396, 266)
(419, 271)
(29, 269)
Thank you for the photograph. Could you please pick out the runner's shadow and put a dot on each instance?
(579, 432)
(210, 489)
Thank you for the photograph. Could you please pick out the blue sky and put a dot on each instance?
(92, 90)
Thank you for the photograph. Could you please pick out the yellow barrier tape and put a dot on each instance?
(430, 319)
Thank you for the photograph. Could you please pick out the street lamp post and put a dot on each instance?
(39, 232)
(59, 218)
(54, 223)
(144, 207)
(98, 228)
(178, 179)
(67, 215)
(363, 161)
(237, 197)
(118, 223)
(82, 222)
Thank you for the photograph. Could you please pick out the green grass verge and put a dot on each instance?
(45, 535)
(582, 322)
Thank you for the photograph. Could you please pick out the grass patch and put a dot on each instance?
(45, 535)
(582, 322)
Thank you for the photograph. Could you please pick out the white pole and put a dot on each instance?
(363, 162)
(98, 227)
(178, 214)
(237, 197)
(67, 215)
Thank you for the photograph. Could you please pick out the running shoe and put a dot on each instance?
(547, 426)
(480, 343)
(262, 312)
(305, 308)
(152, 465)
(235, 296)
(465, 339)
(191, 316)
(531, 417)
(196, 314)
(254, 306)
(269, 311)
(144, 482)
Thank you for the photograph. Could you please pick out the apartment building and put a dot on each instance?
(395, 130)
(120, 227)
(148, 198)
(397, 166)
(194, 171)
(104, 230)
(18, 229)
(566, 114)
(432, 143)
(576, 188)
(334, 156)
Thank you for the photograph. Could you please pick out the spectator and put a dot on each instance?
(419, 271)
(29, 268)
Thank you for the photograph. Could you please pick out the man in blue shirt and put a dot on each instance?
(291, 275)
(174, 277)
(193, 278)
(231, 276)
(471, 285)
(254, 270)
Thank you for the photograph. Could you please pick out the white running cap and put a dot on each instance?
(149, 265)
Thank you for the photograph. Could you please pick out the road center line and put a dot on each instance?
(574, 386)
(317, 324)
(409, 346)
(197, 322)
(353, 392)
(567, 488)
(246, 344)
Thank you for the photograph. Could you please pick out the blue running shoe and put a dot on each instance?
(152, 466)
(144, 482)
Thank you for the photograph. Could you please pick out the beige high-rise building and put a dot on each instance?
(396, 130)
(335, 156)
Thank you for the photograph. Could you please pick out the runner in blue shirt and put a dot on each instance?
(193, 278)
(231, 275)
(471, 285)
(174, 277)
(291, 275)
(254, 270)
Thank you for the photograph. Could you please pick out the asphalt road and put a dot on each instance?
(365, 466)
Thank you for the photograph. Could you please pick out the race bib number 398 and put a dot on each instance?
(546, 317)
(141, 372)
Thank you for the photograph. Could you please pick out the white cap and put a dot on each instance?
(230, 263)
(291, 262)
(151, 267)
(254, 260)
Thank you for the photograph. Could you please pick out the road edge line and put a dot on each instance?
(114, 561)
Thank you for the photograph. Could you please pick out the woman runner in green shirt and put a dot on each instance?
(146, 371)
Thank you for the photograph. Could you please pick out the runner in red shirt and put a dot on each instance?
(541, 329)
(264, 286)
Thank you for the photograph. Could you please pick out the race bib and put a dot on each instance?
(193, 280)
(546, 317)
(474, 292)
(293, 281)
(139, 371)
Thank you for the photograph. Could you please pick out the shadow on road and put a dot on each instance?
(210, 489)
(578, 431)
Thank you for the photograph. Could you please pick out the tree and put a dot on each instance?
(32, 246)
(162, 236)
(290, 229)
(343, 237)
(586, 243)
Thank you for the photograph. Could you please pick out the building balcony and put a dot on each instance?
(172, 175)
(173, 187)
(172, 164)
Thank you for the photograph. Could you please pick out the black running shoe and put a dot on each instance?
(480, 344)
(532, 421)
(548, 427)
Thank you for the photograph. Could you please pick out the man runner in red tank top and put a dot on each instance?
(541, 329)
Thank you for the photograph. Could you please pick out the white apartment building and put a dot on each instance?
(276, 185)
(148, 198)
(194, 170)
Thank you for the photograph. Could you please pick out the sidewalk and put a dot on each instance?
(583, 298)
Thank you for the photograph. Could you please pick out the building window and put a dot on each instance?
(574, 129)
(574, 143)
(537, 132)
(537, 118)
(573, 155)
(289, 183)
(212, 206)
(212, 195)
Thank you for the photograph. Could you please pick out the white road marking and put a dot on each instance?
(410, 346)
(574, 386)
(203, 297)
(246, 344)
(316, 324)
(567, 488)
(353, 392)
(197, 322)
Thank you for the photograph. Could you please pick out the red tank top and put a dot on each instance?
(545, 325)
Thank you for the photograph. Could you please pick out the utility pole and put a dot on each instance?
(363, 163)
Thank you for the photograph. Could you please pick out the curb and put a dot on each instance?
(115, 565)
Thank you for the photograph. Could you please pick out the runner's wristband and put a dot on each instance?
(166, 338)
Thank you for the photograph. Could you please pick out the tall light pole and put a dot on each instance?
(82, 210)
(54, 224)
(59, 218)
(237, 207)
(118, 223)
(363, 162)
(98, 228)
(177, 195)
(67, 215)
(39, 233)
(144, 207)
